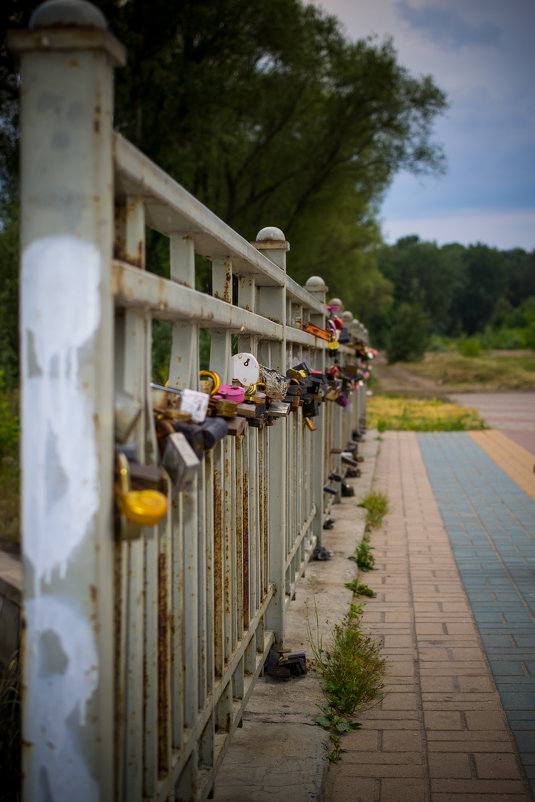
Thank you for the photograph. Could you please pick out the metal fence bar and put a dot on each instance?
(171, 627)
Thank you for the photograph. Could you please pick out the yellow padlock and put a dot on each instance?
(142, 507)
(333, 344)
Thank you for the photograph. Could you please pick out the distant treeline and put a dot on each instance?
(454, 291)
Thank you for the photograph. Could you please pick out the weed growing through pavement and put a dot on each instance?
(363, 554)
(352, 674)
(359, 589)
(376, 505)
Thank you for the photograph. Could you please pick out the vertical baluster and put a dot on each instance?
(184, 373)
(239, 555)
(272, 304)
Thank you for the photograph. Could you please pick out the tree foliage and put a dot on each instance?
(462, 290)
(271, 116)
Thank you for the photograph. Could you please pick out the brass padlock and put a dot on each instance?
(138, 508)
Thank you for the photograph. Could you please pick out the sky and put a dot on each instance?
(481, 53)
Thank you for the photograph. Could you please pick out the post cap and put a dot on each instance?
(71, 13)
(347, 317)
(270, 234)
(316, 284)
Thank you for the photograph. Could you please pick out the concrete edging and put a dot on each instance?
(280, 749)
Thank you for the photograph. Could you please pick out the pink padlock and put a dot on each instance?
(230, 393)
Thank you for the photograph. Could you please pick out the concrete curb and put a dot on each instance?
(279, 746)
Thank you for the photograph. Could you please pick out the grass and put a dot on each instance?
(9, 470)
(10, 731)
(360, 589)
(421, 415)
(490, 371)
(352, 675)
(363, 554)
(376, 505)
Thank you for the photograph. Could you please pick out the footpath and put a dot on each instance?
(455, 614)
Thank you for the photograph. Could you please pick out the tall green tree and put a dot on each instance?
(271, 116)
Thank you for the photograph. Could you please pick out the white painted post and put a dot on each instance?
(317, 287)
(67, 59)
(272, 304)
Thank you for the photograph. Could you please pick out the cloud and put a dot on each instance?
(503, 230)
(446, 29)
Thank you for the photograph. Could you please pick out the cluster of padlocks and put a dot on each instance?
(188, 423)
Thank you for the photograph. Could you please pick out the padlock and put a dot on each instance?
(183, 404)
(127, 411)
(214, 429)
(246, 410)
(195, 404)
(210, 381)
(194, 435)
(245, 369)
(224, 408)
(274, 382)
(230, 392)
(237, 426)
(180, 461)
(278, 409)
(302, 367)
(315, 330)
(310, 407)
(138, 508)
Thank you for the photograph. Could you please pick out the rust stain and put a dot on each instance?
(246, 620)
(74, 62)
(93, 592)
(96, 120)
(163, 666)
(218, 575)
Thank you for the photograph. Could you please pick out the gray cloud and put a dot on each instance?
(446, 29)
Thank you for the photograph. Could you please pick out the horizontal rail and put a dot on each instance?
(168, 300)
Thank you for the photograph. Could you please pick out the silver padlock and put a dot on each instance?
(180, 461)
(127, 412)
(279, 409)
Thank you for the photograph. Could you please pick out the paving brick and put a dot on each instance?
(402, 741)
(439, 720)
(497, 766)
(464, 739)
(479, 684)
(446, 764)
(484, 787)
(403, 790)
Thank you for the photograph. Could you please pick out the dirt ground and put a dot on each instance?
(397, 379)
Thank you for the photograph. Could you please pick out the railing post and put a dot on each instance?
(67, 59)
(272, 303)
(317, 287)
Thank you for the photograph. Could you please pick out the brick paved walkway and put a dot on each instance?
(441, 732)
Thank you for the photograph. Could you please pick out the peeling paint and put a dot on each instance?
(62, 676)
(60, 318)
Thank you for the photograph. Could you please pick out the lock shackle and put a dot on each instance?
(211, 374)
(251, 390)
(124, 473)
(165, 388)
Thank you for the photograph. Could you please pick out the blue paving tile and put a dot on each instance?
(491, 525)
(525, 741)
(506, 668)
(517, 700)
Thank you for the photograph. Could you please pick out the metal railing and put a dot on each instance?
(140, 653)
